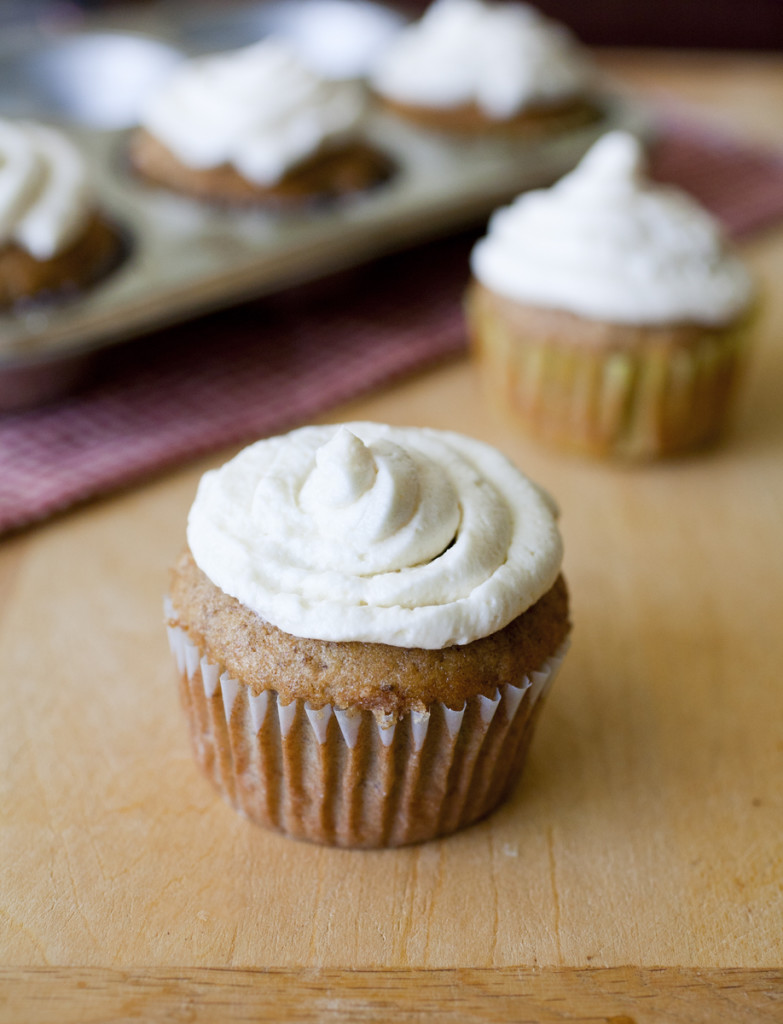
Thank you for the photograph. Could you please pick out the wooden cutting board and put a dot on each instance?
(647, 829)
(636, 874)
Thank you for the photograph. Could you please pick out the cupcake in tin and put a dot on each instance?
(478, 68)
(367, 620)
(608, 313)
(256, 127)
(54, 242)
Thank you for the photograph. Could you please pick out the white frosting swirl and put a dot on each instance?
(607, 243)
(45, 199)
(258, 109)
(410, 537)
(502, 58)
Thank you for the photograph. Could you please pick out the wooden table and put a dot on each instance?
(635, 875)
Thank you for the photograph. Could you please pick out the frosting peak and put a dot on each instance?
(344, 470)
(368, 498)
(44, 194)
(259, 109)
(500, 57)
(607, 243)
(416, 538)
(615, 161)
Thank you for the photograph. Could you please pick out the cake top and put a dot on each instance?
(502, 58)
(365, 532)
(607, 243)
(258, 109)
(45, 199)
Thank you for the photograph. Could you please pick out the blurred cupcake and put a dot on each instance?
(607, 313)
(53, 240)
(366, 621)
(255, 126)
(477, 68)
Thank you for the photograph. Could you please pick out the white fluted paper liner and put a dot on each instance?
(319, 720)
(192, 657)
(258, 706)
(188, 659)
(353, 777)
(210, 675)
(229, 688)
(489, 706)
(349, 722)
(286, 713)
(420, 721)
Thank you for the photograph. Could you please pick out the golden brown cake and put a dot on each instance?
(533, 122)
(93, 255)
(53, 242)
(312, 725)
(607, 315)
(348, 170)
(256, 127)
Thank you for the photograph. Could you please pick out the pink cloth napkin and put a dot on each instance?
(741, 183)
(270, 365)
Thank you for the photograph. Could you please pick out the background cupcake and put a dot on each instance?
(366, 623)
(607, 313)
(53, 240)
(479, 68)
(255, 126)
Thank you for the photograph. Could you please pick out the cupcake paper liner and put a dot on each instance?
(640, 402)
(351, 777)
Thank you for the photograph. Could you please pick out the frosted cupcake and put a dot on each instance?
(255, 126)
(367, 620)
(608, 313)
(478, 68)
(53, 240)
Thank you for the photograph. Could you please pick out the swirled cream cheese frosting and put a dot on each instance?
(607, 243)
(258, 109)
(500, 57)
(45, 199)
(366, 532)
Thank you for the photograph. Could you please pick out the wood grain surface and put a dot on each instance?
(647, 831)
(625, 995)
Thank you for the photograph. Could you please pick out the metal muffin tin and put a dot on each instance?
(184, 257)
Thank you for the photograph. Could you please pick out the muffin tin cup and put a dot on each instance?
(636, 403)
(350, 777)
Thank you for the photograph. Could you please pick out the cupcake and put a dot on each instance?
(366, 621)
(256, 127)
(53, 240)
(608, 314)
(476, 68)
